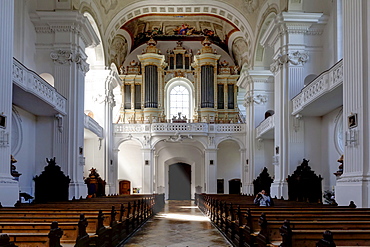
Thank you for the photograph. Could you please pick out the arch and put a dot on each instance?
(269, 113)
(338, 133)
(215, 8)
(262, 52)
(309, 79)
(174, 160)
(17, 132)
(48, 78)
(230, 138)
(179, 81)
(129, 138)
(229, 165)
(95, 55)
(130, 163)
(202, 141)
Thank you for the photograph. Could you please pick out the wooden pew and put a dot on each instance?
(19, 220)
(314, 220)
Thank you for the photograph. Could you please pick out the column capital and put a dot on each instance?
(291, 58)
(51, 22)
(293, 23)
(67, 57)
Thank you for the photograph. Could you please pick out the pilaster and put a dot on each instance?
(111, 165)
(287, 35)
(210, 168)
(9, 188)
(258, 98)
(62, 38)
(354, 182)
(148, 169)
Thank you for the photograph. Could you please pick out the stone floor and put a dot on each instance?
(181, 224)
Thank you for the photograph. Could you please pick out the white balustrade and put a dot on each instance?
(93, 126)
(324, 83)
(31, 82)
(202, 128)
(265, 125)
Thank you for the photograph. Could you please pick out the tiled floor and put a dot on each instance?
(181, 224)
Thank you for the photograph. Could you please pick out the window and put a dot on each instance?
(179, 101)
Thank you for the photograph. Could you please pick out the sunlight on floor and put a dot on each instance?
(189, 207)
(185, 217)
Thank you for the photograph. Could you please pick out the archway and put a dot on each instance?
(179, 181)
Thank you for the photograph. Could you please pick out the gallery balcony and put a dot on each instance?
(265, 129)
(322, 95)
(170, 128)
(34, 94)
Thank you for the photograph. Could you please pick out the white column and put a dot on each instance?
(353, 185)
(9, 188)
(257, 101)
(113, 188)
(111, 167)
(63, 36)
(210, 165)
(69, 74)
(247, 187)
(288, 68)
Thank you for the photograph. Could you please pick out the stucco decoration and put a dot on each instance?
(240, 51)
(338, 133)
(118, 50)
(251, 5)
(108, 5)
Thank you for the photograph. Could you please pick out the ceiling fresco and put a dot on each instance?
(179, 27)
(229, 24)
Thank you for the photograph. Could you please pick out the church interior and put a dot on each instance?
(183, 98)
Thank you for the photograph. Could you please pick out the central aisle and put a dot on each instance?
(181, 224)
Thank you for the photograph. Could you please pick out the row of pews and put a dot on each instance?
(287, 224)
(104, 221)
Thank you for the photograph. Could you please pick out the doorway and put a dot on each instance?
(234, 186)
(179, 181)
(124, 187)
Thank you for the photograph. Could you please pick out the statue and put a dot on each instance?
(95, 184)
(340, 168)
(13, 169)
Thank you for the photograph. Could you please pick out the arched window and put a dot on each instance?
(179, 101)
(179, 97)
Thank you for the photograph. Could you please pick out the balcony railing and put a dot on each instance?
(324, 83)
(265, 126)
(158, 128)
(32, 83)
(93, 126)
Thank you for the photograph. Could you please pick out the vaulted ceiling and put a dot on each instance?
(125, 25)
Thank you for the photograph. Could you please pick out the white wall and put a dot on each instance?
(26, 153)
(94, 156)
(24, 35)
(265, 150)
(130, 163)
(228, 162)
(330, 154)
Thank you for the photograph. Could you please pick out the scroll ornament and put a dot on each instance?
(295, 58)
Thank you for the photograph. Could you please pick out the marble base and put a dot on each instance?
(9, 192)
(279, 189)
(77, 190)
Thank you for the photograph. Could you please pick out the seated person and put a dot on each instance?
(262, 199)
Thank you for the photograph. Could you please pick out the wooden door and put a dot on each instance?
(124, 187)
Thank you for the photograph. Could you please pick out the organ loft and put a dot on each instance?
(211, 81)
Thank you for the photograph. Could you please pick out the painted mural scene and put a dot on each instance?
(184, 123)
